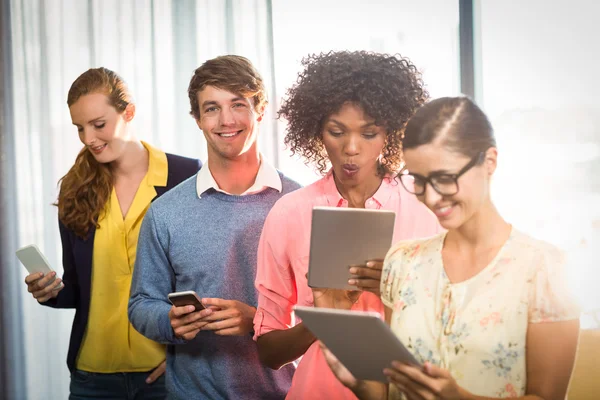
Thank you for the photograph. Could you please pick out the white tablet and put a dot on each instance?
(361, 340)
(341, 237)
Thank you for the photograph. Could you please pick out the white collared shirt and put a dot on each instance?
(267, 176)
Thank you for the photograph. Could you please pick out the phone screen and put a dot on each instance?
(186, 300)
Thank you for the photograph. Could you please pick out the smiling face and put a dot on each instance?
(229, 123)
(101, 128)
(353, 144)
(474, 185)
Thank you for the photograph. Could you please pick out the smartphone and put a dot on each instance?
(34, 261)
(187, 298)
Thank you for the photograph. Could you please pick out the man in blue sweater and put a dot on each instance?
(203, 236)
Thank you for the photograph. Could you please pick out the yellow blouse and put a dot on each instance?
(110, 343)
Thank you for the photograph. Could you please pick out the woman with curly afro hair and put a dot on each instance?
(346, 116)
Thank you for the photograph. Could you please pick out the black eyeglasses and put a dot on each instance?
(444, 184)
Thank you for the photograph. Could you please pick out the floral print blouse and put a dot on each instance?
(477, 328)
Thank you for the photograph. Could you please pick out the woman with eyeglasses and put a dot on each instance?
(483, 306)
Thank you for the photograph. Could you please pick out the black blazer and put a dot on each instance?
(77, 260)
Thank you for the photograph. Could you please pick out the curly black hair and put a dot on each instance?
(389, 89)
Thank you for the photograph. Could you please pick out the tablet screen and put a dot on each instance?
(341, 237)
(361, 340)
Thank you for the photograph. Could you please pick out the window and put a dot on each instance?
(540, 88)
(424, 31)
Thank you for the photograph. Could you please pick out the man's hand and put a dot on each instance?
(231, 318)
(186, 322)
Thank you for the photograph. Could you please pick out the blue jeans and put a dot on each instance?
(118, 386)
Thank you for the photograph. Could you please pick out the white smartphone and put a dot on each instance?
(186, 298)
(34, 261)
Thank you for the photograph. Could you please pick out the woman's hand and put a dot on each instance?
(428, 383)
(157, 373)
(43, 288)
(367, 276)
(335, 298)
(338, 369)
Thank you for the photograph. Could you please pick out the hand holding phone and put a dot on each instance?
(41, 281)
(43, 287)
(230, 317)
(187, 314)
(187, 298)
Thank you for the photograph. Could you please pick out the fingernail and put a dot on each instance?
(148, 380)
(353, 270)
(370, 264)
(351, 282)
(190, 308)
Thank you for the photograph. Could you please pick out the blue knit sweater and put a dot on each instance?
(209, 245)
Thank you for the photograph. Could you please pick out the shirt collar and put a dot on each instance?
(158, 167)
(377, 201)
(267, 176)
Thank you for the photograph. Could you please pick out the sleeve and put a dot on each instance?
(275, 281)
(550, 299)
(391, 275)
(68, 297)
(153, 279)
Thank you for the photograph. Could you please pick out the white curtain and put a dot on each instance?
(154, 46)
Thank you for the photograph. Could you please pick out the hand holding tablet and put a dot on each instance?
(344, 237)
(367, 277)
(335, 298)
(360, 340)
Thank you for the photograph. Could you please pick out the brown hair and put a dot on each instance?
(235, 74)
(388, 88)
(457, 121)
(86, 188)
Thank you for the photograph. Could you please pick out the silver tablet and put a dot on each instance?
(361, 340)
(341, 237)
